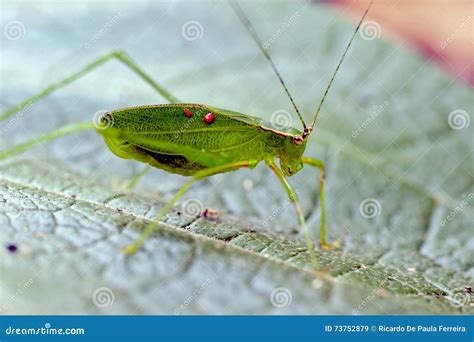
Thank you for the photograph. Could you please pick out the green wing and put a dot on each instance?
(164, 137)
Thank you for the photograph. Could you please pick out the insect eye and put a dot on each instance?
(297, 140)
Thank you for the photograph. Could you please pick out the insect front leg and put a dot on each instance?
(294, 198)
(320, 165)
(131, 249)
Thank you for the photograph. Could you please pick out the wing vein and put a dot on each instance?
(197, 130)
(235, 146)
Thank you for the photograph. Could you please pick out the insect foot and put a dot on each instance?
(331, 246)
(130, 249)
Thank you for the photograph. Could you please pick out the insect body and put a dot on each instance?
(196, 140)
(231, 140)
(155, 135)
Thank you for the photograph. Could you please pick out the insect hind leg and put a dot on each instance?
(118, 55)
(121, 56)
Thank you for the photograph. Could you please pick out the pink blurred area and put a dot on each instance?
(442, 31)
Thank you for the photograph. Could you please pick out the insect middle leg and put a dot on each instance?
(294, 198)
(131, 249)
(322, 239)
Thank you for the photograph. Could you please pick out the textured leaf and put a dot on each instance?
(61, 206)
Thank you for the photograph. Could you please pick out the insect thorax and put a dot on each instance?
(290, 156)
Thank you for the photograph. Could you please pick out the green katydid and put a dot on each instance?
(197, 140)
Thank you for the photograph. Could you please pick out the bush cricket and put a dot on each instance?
(197, 140)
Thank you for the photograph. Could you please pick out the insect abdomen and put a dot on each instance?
(171, 162)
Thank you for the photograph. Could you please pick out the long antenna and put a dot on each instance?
(308, 131)
(240, 13)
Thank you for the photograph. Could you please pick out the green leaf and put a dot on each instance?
(61, 205)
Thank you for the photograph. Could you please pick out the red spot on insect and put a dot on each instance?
(188, 113)
(208, 118)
